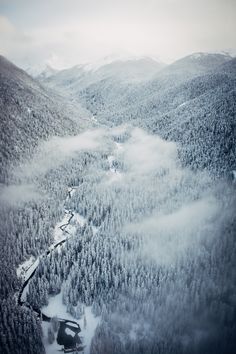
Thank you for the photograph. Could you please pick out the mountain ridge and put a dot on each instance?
(193, 79)
(28, 114)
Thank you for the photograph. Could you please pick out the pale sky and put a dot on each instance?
(68, 32)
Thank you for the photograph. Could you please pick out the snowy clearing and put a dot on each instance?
(88, 323)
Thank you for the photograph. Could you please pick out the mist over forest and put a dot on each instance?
(117, 189)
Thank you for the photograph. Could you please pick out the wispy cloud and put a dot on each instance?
(144, 154)
(54, 152)
(16, 194)
(168, 236)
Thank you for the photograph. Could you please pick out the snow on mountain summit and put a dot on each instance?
(205, 58)
(41, 71)
(114, 58)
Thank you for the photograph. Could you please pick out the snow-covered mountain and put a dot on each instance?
(170, 100)
(126, 70)
(42, 71)
(117, 57)
(128, 67)
(28, 113)
(198, 63)
(121, 224)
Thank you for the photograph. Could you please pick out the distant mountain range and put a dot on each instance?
(191, 101)
(147, 240)
(42, 71)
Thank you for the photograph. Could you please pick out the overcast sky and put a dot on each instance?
(67, 32)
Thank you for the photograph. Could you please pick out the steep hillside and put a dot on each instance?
(28, 113)
(200, 115)
(197, 63)
(126, 70)
(169, 78)
(123, 229)
(96, 85)
(191, 102)
(204, 124)
(41, 71)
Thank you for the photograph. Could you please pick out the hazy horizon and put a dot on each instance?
(65, 33)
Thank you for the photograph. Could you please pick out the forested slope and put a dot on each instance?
(28, 114)
(154, 258)
(191, 101)
(198, 113)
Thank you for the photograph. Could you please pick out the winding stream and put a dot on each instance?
(30, 272)
(60, 239)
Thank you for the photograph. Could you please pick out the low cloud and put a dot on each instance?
(18, 194)
(145, 154)
(120, 130)
(168, 236)
(57, 150)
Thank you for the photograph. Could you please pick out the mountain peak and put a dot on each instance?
(114, 58)
(43, 71)
(204, 55)
(200, 61)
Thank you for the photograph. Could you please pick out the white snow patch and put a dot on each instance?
(24, 267)
(50, 348)
(91, 325)
(56, 307)
(69, 332)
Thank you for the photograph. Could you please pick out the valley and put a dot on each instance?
(119, 219)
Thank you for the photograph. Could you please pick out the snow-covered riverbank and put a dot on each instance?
(88, 323)
(63, 230)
